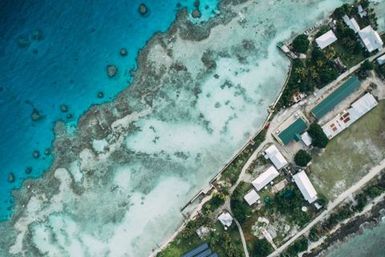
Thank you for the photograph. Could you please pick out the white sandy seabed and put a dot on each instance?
(138, 207)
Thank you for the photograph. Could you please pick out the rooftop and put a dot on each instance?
(265, 178)
(275, 156)
(328, 104)
(305, 186)
(381, 60)
(371, 39)
(293, 132)
(251, 197)
(226, 219)
(344, 119)
(326, 39)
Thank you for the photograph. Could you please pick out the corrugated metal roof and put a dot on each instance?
(293, 131)
(265, 178)
(336, 97)
(305, 186)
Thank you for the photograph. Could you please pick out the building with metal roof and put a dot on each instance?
(201, 251)
(305, 186)
(274, 155)
(226, 219)
(326, 39)
(328, 104)
(265, 178)
(351, 23)
(251, 197)
(346, 118)
(371, 39)
(293, 132)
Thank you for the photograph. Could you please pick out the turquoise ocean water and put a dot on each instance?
(56, 52)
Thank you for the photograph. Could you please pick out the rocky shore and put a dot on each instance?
(353, 227)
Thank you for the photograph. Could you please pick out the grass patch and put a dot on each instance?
(350, 155)
(232, 172)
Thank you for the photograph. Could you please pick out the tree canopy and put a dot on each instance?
(319, 139)
(302, 158)
(301, 43)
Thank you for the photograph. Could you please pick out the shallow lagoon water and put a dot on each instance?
(177, 146)
(64, 64)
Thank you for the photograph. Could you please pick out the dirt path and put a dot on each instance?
(363, 181)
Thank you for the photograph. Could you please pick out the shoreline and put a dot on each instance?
(354, 226)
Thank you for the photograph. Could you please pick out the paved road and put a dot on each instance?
(372, 173)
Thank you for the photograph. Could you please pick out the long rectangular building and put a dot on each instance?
(293, 132)
(275, 157)
(344, 119)
(305, 186)
(265, 178)
(328, 104)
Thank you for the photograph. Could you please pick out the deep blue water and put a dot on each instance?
(64, 64)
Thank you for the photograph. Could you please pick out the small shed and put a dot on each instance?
(226, 219)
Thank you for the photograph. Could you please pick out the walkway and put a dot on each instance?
(372, 173)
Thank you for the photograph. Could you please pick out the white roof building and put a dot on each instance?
(305, 186)
(326, 39)
(381, 60)
(371, 39)
(275, 157)
(351, 23)
(251, 197)
(265, 178)
(361, 11)
(344, 119)
(226, 219)
(306, 138)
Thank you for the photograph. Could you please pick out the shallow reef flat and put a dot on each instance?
(117, 184)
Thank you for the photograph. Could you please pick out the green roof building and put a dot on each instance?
(351, 85)
(293, 132)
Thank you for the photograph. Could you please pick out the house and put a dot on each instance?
(305, 186)
(251, 197)
(226, 219)
(265, 178)
(371, 39)
(351, 23)
(346, 118)
(326, 39)
(275, 157)
(381, 60)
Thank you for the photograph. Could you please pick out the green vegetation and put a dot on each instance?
(238, 205)
(302, 158)
(298, 246)
(261, 248)
(366, 66)
(225, 243)
(288, 203)
(301, 44)
(232, 172)
(214, 203)
(319, 139)
(350, 155)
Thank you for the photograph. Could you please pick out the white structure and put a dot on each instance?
(226, 219)
(275, 157)
(381, 60)
(351, 23)
(361, 11)
(371, 39)
(305, 186)
(346, 118)
(326, 39)
(265, 178)
(251, 197)
(306, 138)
